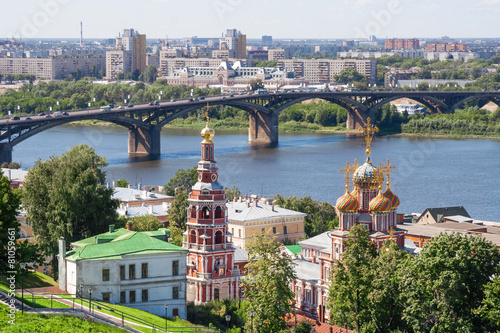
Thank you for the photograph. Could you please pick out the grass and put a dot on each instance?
(49, 323)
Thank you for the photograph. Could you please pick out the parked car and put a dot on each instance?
(130, 105)
(41, 114)
(27, 118)
(65, 114)
(57, 114)
(156, 103)
(111, 105)
(231, 95)
(14, 118)
(201, 97)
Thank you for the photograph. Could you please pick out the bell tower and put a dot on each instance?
(211, 274)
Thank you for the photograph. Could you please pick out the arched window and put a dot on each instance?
(192, 237)
(218, 212)
(218, 237)
(205, 213)
(216, 294)
(193, 212)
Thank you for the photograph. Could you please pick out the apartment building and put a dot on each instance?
(278, 54)
(118, 61)
(129, 54)
(409, 44)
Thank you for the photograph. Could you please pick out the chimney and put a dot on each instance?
(139, 186)
(255, 202)
(10, 176)
(272, 208)
(151, 210)
(114, 184)
(62, 247)
(129, 225)
(248, 203)
(111, 228)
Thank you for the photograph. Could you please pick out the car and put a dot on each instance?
(57, 114)
(48, 116)
(27, 118)
(231, 95)
(191, 100)
(223, 97)
(121, 107)
(201, 97)
(111, 105)
(41, 114)
(65, 114)
(150, 104)
(130, 105)
(173, 100)
(14, 118)
(156, 103)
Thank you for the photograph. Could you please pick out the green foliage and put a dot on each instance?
(469, 121)
(149, 75)
(183, 180)
(304, 327)
(122, 183)
(350, 75)
(11, 165)
(320, 217)
(265, 63)
(214, 314)
(177, 216)
(232, 193)
(490, 309)
(146, 223)
(269, 274)
(9, 227)
(351, 282)
(256, 84)
(445, 283)
(66, 197)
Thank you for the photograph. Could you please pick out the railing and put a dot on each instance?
(93, 305)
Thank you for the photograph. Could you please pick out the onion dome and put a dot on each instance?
(380, 204)
(354, 193)
(392, 198)
(367, 176)
(207, 134)
(347, 203)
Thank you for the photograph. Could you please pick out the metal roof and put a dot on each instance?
(319, 241)
(238, 211)
(131, 194)
(307, 270)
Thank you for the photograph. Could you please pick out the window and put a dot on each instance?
(123, 297)
(175, 292)
(285, 229)
(175, 312)
(274, 230)
(145, 295)
(144, 270)
(175, 267)
(105, 297)
(105, 274)
(239, 233)
(131, 296)
(131, 272)
(122, 272)
(216, 294)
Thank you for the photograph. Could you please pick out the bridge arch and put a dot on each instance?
(489, 98)
(433, 104)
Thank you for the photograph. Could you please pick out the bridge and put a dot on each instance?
(144, 122)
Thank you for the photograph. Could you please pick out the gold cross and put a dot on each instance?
(347, 171)
(206, 113)
(386, 170)
(369, 131)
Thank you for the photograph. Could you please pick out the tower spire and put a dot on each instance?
(369, 131)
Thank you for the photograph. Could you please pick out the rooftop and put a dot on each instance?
(307, 270)
(238, 211)
(131, 194)
(122, 242)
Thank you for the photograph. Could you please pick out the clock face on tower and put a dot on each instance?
(200, 177)
(213, 177)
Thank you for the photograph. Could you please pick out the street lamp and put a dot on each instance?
(228, 319)
(23, 265)
(90, 300)
(252, 313)
(166, 316)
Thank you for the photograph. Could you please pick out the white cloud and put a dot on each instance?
(491, 2)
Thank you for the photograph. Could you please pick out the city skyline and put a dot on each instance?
(295, 19)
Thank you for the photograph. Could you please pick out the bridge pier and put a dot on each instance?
(144, 141)
(356, 119)
(263, 128)
(5, 153)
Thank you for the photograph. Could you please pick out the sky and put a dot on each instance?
(279, 18)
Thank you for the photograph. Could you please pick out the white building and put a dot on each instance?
(409, 107)
(136, 269)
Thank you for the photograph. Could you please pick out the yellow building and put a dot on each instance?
(249, 216)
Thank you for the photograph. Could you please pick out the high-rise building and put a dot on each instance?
(211, 271)
(267, 40)
(234, 40)
(409, 44)
(130, 46)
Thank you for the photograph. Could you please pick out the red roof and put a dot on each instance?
(319, 327)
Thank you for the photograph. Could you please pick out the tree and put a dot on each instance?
(9, 227)
(256, 84)
(445, 283)
(232, 193)
(304, 326)
(269, 274)
(66, 197)
(122, 183)
(350, 75)
(149, 74)
(177, 216)
(182, 180)
(146, 223)
(490, 309)
(385, 303)
(351, 281)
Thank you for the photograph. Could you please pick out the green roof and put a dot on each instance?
(295, 249)
(111, 246)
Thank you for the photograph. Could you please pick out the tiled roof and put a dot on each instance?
(125, 242)
(238, 211)
(318, 327)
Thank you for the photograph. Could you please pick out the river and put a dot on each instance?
(429, 172)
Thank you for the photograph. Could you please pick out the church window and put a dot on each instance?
(218, 237)
(175, 267)
(218, 212)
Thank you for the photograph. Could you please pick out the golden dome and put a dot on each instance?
(367, 176)
(207, 134)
